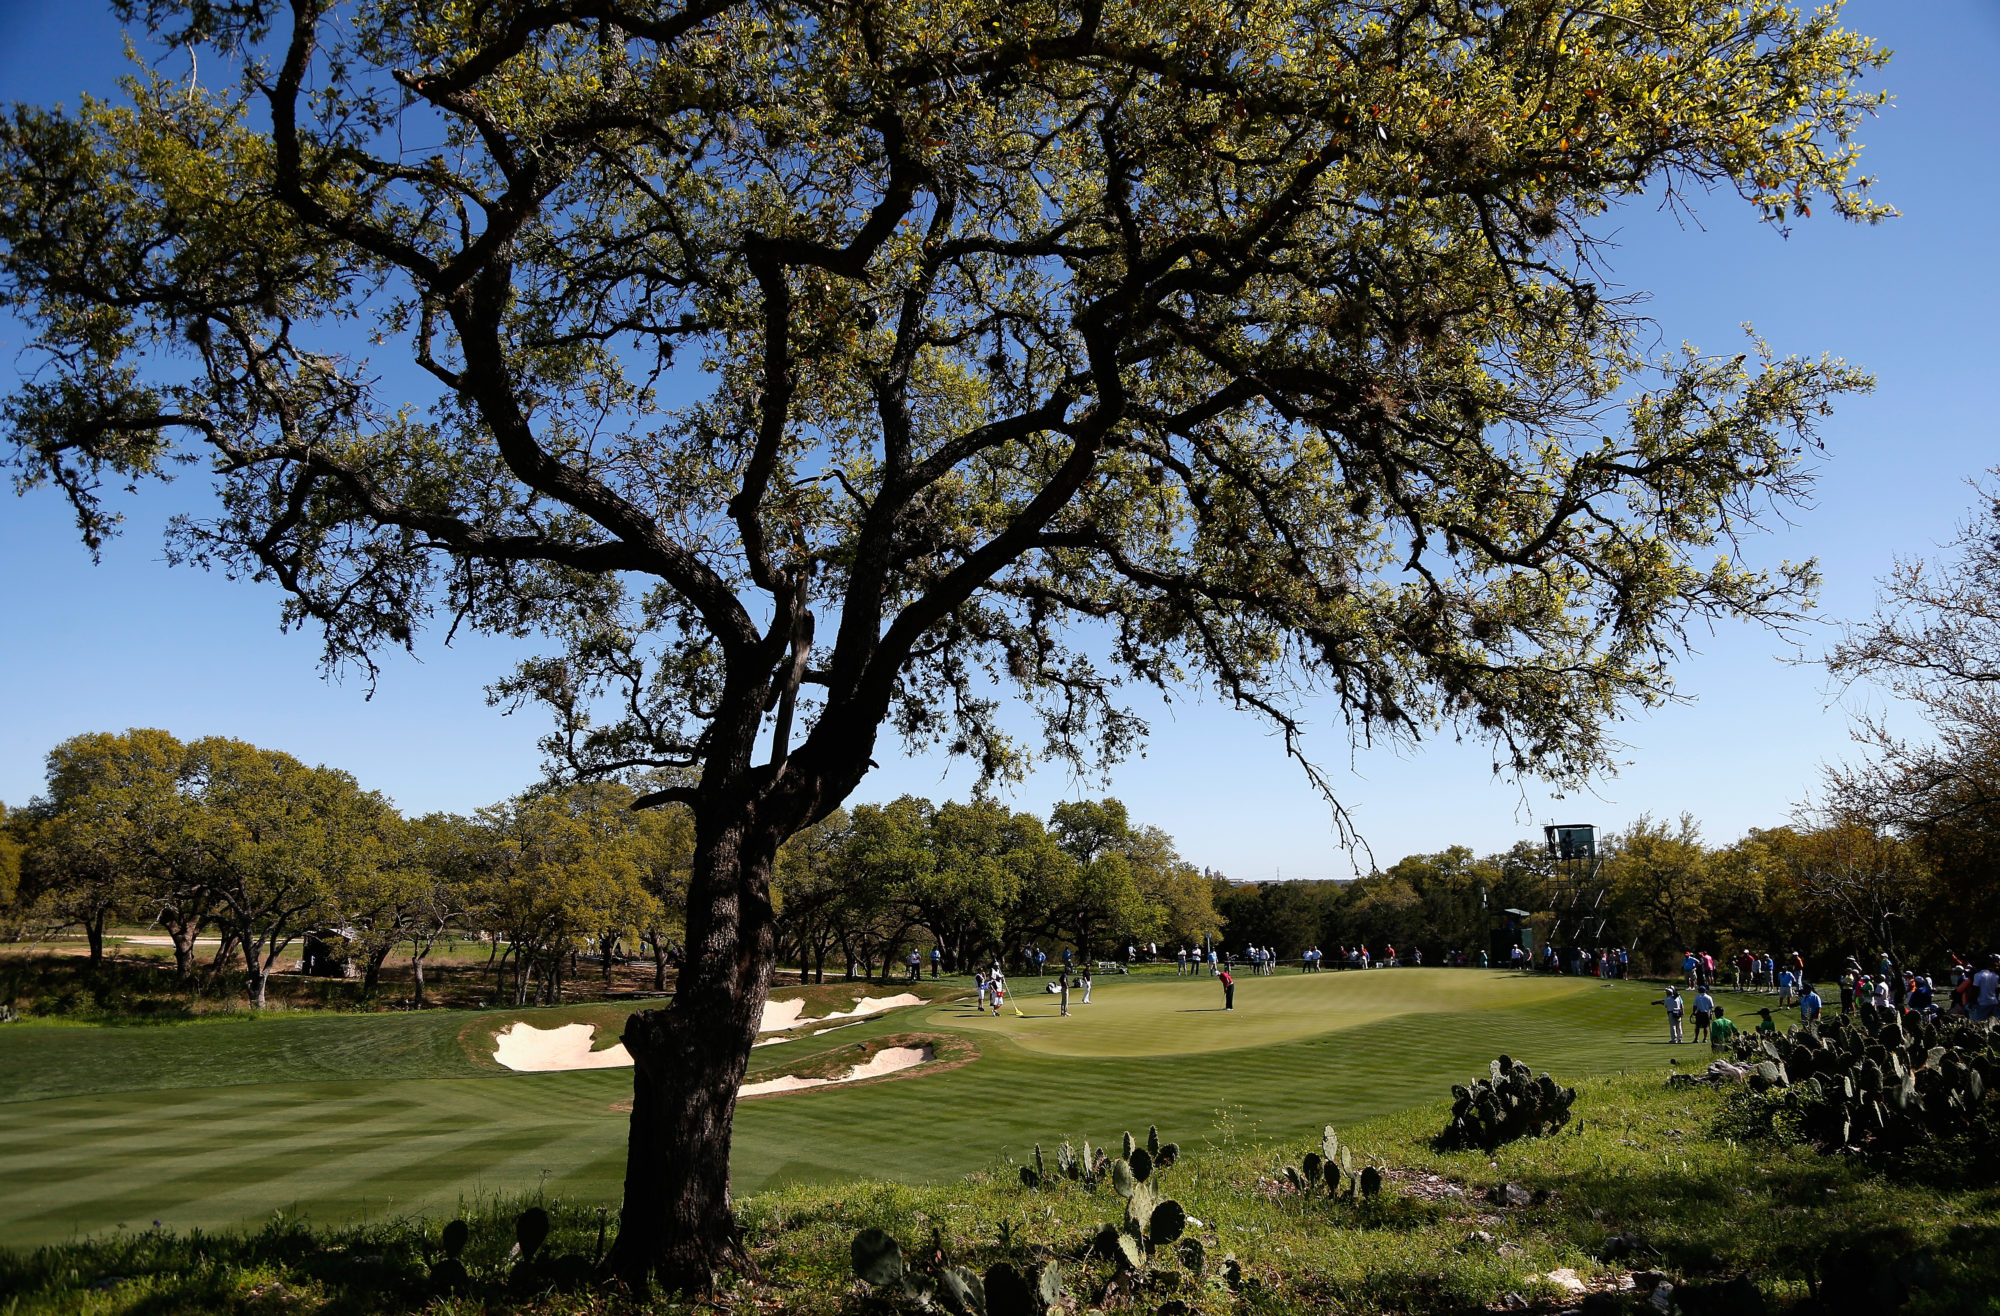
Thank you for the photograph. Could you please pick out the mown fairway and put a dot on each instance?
(222, 1123)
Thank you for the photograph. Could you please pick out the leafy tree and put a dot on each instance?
(444, 854)
(976, 875)
(807, 890)
(567, 875)
(11, 847)
(1869, 884)
(1660, 882)
(885, 853)
(666, 855)
(287, 844)
(1180, 902)
(116, 836)
(1264, 339)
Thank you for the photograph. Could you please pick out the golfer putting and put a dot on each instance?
(1228, 989)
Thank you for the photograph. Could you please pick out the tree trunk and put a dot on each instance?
(93, 929)
(417, 972)
(257, 970)
(676, 1225)
(373, 974)
(183, 931)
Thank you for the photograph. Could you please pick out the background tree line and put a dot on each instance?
(255, 851)
(240, 854)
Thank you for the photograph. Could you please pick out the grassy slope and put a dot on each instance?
(215, 1124)
(1643, 1160)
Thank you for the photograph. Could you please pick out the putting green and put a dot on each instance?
(218, 1124)
(1150, 1016)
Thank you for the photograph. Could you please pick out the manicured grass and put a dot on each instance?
(220, 1123)
(1154, 1015)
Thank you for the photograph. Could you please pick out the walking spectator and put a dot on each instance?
(1986, 989)
(1704, 1014)
(1784, 988)
(1809, 1005)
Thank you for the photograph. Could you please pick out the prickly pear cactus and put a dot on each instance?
(1141, 1162)
(1509, 1103)
(878, 1258)
(1153, 1141)
(1872, 1084)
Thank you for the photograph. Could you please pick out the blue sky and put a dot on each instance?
(133, 642)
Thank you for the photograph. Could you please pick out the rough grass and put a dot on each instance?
(1641, 1160)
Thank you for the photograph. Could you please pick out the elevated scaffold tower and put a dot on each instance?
(1577, 895)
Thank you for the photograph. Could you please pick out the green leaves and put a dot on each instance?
(797, 379)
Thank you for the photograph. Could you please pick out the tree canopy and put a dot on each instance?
(800, 369)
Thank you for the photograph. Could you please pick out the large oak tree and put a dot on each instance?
(800, 368)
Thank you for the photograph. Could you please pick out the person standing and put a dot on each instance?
(1672, 1000)
(979, 981)
(1809, 1005)
(999, 992)
(937, 959)
(1228, 990)
(1986, 989)
(1063, 979)
(1085, 972)
(1180, 963)
(1704, 1014)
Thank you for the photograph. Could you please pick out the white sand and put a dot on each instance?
(870, 1005)
(787, 1014)
(780, 1014)
(540, 1050)
(783, 1083)
(889, 1060)
(524, 1047)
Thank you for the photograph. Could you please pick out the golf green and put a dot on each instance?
(222, 1124)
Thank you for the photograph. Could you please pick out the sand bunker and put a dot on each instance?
(540, 1050)
(889, 1060)
(780, 1014)
(870, 1005)
(532, 1050)
(787, 1014)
